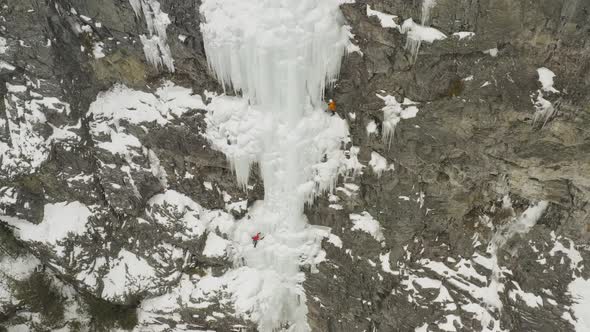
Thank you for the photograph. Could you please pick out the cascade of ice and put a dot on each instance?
(280, 55)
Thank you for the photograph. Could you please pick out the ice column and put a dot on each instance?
(155, 46)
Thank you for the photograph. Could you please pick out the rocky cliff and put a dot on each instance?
(468, 210)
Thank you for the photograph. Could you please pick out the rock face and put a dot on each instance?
(479, 138)
(470, 213)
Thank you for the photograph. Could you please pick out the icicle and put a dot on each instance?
(272, 58)
(413, 41)
(393, 112)
(155, 47)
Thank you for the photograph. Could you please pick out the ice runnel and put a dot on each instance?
(280, 55)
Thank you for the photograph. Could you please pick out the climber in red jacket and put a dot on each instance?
(256, 238)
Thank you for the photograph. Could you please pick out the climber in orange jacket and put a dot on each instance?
(332, 107)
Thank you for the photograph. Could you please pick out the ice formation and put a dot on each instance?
(281, 56)
(393, 113)
(155, 45)
(417, 33)
(386, 20)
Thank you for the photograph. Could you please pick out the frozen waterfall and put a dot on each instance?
(280, 55)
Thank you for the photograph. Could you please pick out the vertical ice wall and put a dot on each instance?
(280, 55)
(155, 46)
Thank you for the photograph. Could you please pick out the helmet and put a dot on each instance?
(331, 101)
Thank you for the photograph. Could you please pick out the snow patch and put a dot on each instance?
(121, 103)
(544, 109)
(570, 252)
(17, 268)
(579, 290)
(98, 50)
(195, 220)
(493, 52)
(59, 220)
(418, 33)
(335, 240)
(386, 20)
(464, 34)
(3, 45)
(379, 164)
(366, 223)
(546, 78)
(371, 128)
(215, 246)
(128, 273)
(23, 147)
(385, 265)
